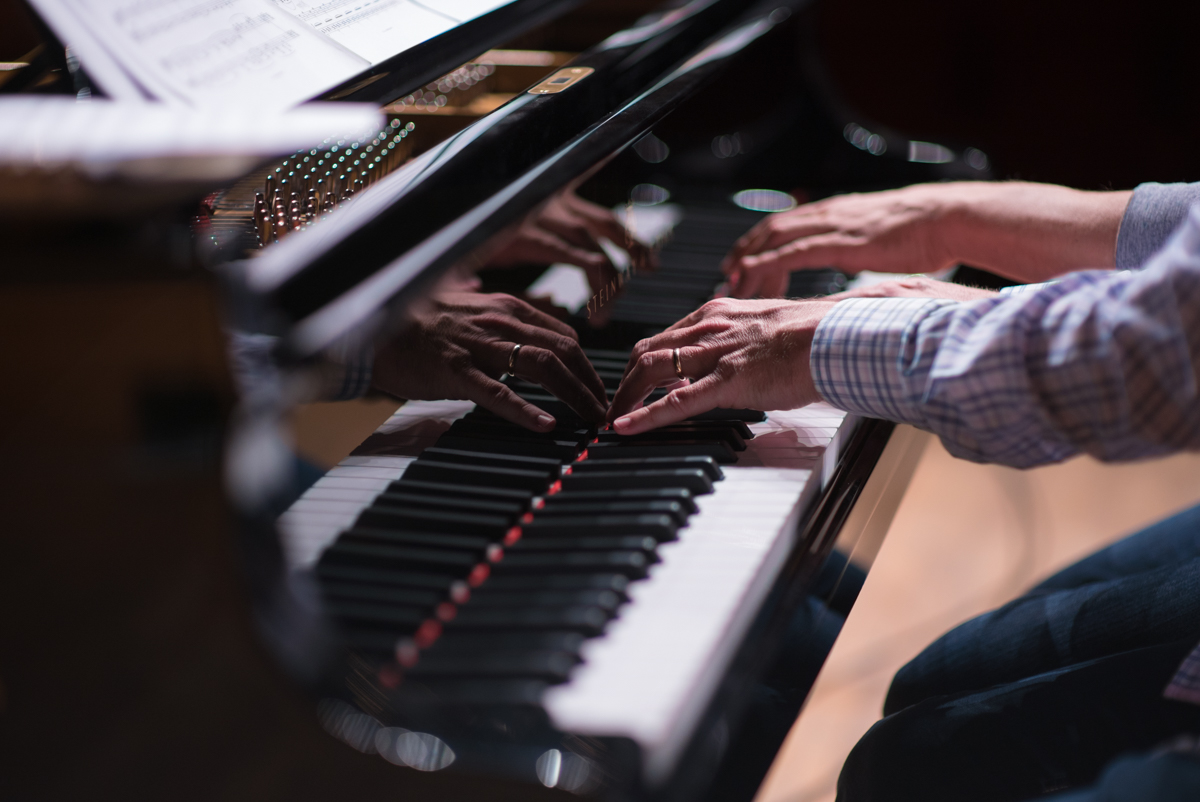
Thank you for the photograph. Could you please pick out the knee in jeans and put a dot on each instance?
(875, 769)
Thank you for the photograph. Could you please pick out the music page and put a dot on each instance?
(207, 52)
(379, 29)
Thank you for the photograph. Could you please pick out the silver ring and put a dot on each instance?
(678, 364)
(512, 360)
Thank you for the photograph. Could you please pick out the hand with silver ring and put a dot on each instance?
(739, 353)
(459, 348)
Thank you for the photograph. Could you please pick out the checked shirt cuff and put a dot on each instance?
(866, 357)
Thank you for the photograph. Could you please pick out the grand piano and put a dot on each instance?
(460, 608)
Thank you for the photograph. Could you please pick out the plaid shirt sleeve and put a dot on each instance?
(1098, 362)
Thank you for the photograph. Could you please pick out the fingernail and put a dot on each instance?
(622, 423)
(545, 421)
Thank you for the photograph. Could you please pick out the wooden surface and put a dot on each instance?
(965, 539)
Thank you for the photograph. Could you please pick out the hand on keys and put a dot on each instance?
(742, 354)
(458, 349)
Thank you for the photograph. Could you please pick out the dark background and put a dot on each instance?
(1093, 95)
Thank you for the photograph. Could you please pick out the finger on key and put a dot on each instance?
(565, 348)
(495, 397)
(656, 369)
(542, 366)
(681, 404)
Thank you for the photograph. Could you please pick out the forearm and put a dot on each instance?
(1030, 232)
(1107, 364)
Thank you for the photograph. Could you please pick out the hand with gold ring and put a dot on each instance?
(736, 354)
(459, 348)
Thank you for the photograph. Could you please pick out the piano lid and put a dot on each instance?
(278, 53)
(380, 251)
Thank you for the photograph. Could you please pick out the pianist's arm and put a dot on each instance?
(1024, 231)
(1101, 362)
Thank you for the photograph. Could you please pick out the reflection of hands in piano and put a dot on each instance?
(1025, 232)
(455, 350)
(734, 354)
(568, 229)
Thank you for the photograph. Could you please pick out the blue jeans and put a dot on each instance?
(1041, 694)
(1169, 777)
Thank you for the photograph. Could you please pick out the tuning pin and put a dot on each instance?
(328, 203)
(270, 185)
(310, 204)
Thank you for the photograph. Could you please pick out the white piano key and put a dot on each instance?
(362, 497)
(359, 472)
(652, 674)
(352, 483)
(377, 462)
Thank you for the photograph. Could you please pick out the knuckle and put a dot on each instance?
(718, 306)
(497, 393)
(543, 359)
(566, 345)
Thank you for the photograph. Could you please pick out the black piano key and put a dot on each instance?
(536, 583)
(476, 545)
(381, 555)
(659, 527)
(475, 692)
(353, 591)
(562, 413)
(630, 563)
(609, 463)
(672, 434)
(452, 473)
(646, 543)
(620, 449)
(693, 479)
(739, 427)
(493, 642)
(745, 415)
(450, 585)
(425, 520)
(593, 508)
(588, 620)
(550, 467)
(591, 597)
(393, 617)
(481, 422)
(677, 494)
(461, 491)
(551, 666)
(508, 509)
(560, 450)
(606, 353)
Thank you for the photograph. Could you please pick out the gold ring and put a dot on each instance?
(512, 360)
(678, 364)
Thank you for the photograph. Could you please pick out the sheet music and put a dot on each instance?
(209, 52)
(373, 29)
(379, 29)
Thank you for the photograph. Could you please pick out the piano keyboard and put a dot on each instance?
(607, 579)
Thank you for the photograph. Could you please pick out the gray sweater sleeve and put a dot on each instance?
(1154, 211)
